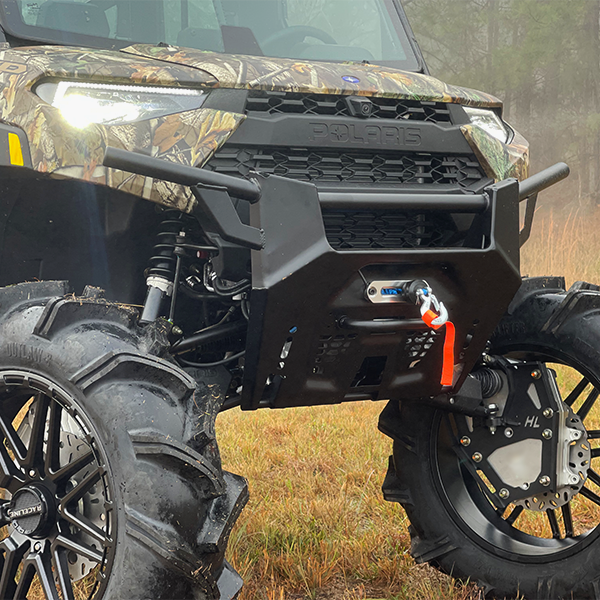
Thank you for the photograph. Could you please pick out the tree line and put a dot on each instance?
(542, 58)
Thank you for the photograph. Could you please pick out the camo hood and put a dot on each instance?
(287, 75)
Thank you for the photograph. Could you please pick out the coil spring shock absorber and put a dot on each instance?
(162, 274)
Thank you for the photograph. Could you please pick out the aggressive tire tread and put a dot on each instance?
(230, 583)
(155, 446)
(424, 550)
(393, 489)
(159, 422)
(223, 514)
(62, 312)
(106, 364)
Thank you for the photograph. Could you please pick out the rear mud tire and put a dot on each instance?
(544, 322)
(169, 505)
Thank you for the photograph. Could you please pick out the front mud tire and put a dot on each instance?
(168, 506)
(546, 323)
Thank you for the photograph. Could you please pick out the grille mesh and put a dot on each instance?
(276, 103)
(351, 166)
(376, 229)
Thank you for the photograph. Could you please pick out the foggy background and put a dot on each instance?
(542, 58)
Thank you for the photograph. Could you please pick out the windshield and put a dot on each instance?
(330, 30)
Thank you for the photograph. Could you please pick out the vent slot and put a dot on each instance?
(370, 372)
(293, 103)
(322, 165)
(347, 230)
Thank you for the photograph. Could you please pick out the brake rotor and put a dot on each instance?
(578, 454)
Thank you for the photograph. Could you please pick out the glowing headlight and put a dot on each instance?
(84, 103)
(489, 121)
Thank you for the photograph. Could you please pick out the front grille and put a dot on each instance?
(348, 166)
(393, 230)
(275, 103)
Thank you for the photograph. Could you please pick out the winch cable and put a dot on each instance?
(436, 319)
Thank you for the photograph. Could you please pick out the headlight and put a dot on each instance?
(489, 121)
(84, 103)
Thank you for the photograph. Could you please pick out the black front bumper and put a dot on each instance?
(315, 337)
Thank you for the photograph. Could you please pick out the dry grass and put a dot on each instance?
(316, 525)
(564, 245)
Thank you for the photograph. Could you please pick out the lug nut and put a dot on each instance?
(37, 547)
(477, 457)
(465, 441)
(508, 432)
(504, 493)
(547, 434)
(536, 373)
(32, 473)
(544, 480)
(548, 413)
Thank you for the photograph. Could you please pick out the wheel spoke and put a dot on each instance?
(13, 554)
(13, 440)
(567, 520)
(76, 518)
(590, 495)
(87, 526)
(34, 457)
(514, 515)
(61, 566)
(582, 413)
(82, 487)
(27, 575)
(576, 392)
(43, 566)
(553, 524)
(52, 462)
(72, 468)
(593, 476)
(595, 452)
(10, 473)
(79, 548)
(593, 434)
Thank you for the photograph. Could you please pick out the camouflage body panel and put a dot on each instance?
(288, 75)
(59, 148)
(191, 138)
(500, 161)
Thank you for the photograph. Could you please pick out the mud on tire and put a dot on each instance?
(116, 444)
(544, 323)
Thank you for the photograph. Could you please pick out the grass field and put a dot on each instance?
(316, 525)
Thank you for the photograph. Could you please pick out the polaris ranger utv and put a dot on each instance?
(269, 204)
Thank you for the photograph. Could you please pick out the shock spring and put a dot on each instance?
(165, 263)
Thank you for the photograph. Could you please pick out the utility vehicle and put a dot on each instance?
(271, 204)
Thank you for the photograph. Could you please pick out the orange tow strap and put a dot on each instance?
(448, 360)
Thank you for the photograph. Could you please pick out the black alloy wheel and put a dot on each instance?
(533, 549)
(57, 508)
